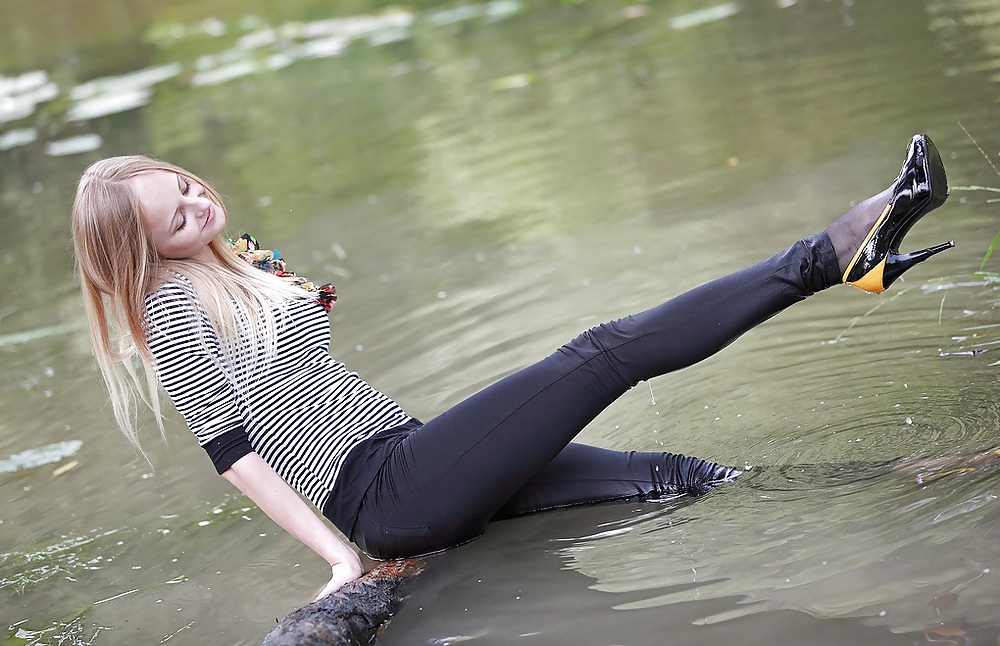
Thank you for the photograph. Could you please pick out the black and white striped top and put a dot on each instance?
(302, 411)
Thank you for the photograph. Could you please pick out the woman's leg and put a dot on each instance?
(445, 481)
(583, 474)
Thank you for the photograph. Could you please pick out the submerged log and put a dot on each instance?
(351, 616)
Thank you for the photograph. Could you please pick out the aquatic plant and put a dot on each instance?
(71, 631)
(25, 568)
(991, 276)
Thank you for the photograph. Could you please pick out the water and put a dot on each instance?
(481, 182)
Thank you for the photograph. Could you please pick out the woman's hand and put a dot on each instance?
(342, 573)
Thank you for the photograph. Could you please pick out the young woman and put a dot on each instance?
(243, 355)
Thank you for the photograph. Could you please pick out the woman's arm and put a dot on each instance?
(258, 481)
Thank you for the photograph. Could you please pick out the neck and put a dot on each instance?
(207, 256)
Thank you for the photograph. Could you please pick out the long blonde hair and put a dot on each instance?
(118, 267)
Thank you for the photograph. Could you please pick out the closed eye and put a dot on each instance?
(185, 188)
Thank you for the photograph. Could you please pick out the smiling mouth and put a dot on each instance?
(209, 217)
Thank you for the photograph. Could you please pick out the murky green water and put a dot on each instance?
(482, 181)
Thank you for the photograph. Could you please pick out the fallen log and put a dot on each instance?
(351, 616)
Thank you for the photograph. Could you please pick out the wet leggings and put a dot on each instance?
(507, 450)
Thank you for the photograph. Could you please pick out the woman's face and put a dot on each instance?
(179, 216)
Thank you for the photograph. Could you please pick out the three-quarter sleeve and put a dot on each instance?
(187, 362)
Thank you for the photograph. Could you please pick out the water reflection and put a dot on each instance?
(101, 97)
(483, 180)
(41, 455)
(258, 48)
(704, 16)
(74, 145)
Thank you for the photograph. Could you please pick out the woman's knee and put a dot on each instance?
(597, 348)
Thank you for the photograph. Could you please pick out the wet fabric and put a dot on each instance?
(507, 450)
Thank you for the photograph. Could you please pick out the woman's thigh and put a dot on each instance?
(448, 478)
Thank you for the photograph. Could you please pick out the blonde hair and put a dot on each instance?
(118, 267)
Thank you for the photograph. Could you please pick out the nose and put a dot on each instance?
(199, 205)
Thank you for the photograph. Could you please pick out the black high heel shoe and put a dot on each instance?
(920, 188)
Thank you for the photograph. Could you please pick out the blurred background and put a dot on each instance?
(482, 181)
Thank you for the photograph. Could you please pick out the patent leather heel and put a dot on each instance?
(896, 264)
(921, 187)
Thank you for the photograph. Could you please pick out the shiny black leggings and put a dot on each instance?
(507, 450)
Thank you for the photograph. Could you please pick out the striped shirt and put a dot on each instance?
(301, 410)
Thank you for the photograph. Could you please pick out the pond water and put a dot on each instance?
(482, 181)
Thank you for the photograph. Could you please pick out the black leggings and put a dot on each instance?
(507, 450)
